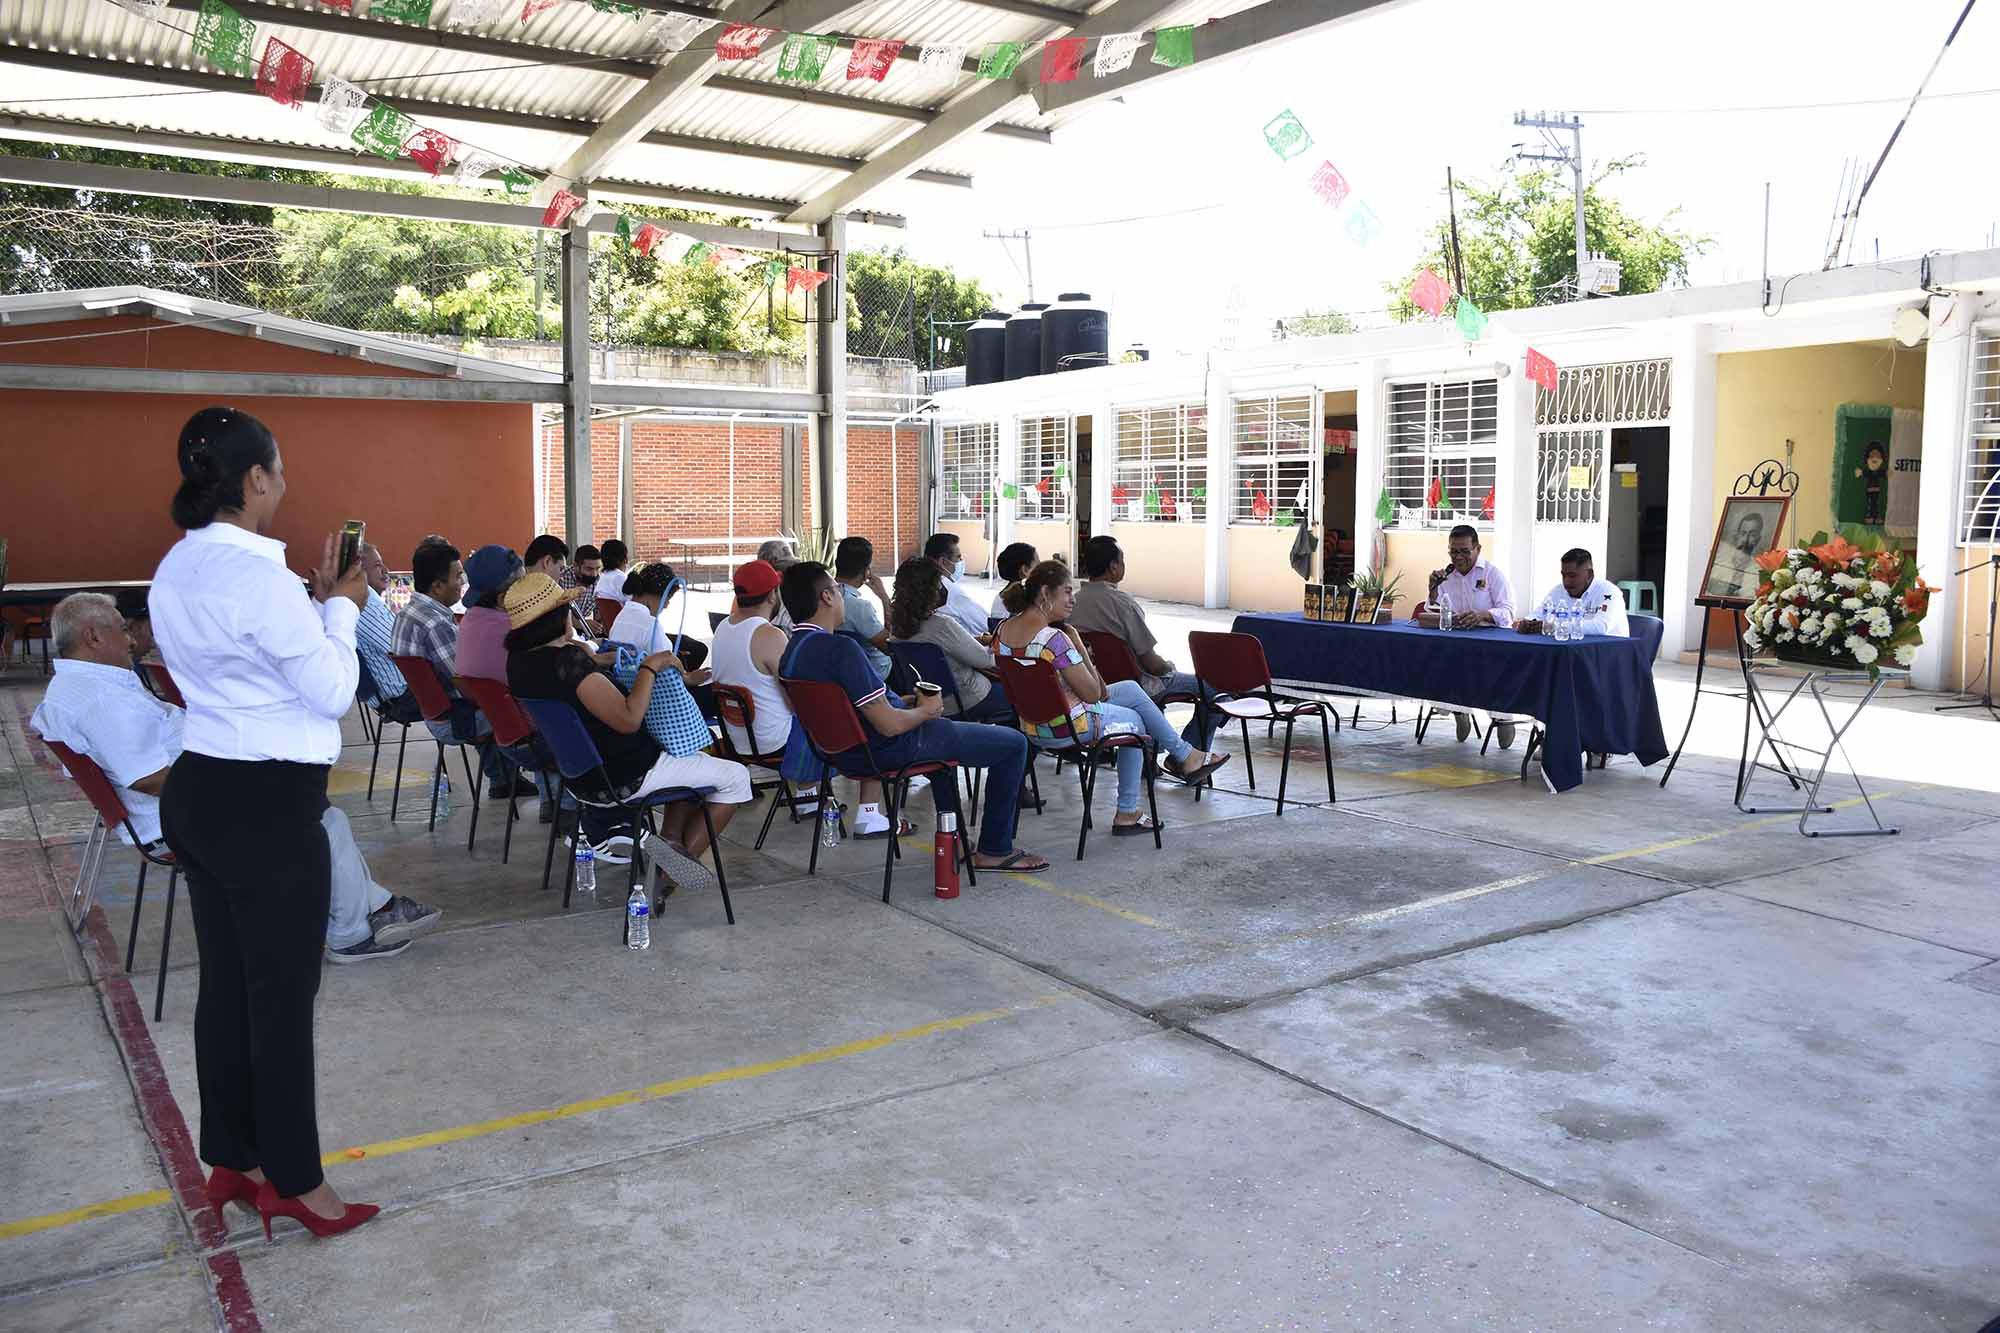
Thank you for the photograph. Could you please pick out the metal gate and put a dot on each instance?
(1573, 429)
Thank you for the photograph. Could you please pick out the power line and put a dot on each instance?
(1775, 106)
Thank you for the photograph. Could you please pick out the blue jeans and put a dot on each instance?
(1195, 733)
(1001, 751)
(1126, 709)
(468, 725)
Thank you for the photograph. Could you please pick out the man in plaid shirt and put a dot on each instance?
(583, 577)
(427, 629)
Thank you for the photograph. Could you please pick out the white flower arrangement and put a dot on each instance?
(1833, 601)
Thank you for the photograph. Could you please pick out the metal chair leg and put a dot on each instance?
(1086, 769)
(781, 795)
(166, 943)
(507, 839)
(138, 902)
(825, 795)
(715, 851)
(1152, 771)
(374, 758)
(437, 772)
(1249, 764)
(80, 893)
(1326, 750)
(402, 748)
(895, 823)
(1285, 764)
(555, 832)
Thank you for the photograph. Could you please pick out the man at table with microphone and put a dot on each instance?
(1480, 595)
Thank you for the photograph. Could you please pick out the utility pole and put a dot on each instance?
(1571, 157)
(1026, 238)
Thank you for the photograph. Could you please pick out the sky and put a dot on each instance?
(1394, 99)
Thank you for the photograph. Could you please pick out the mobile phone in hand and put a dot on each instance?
(353, 533)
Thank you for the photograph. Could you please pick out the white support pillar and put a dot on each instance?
(1103, 470)
(628, 528)
(576, 386)
(1371, 444)
(1690, 485)
(1006, 471)
(1947, 363)
(1513, 520)
(1221, 490)
(830, 378)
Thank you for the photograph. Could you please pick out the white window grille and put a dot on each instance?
(1979, 509)
(1277, 456)
(966, 455)
(1440, 459)
(1162, 472)
(1046, 461)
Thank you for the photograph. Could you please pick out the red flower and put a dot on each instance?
(1917, 600)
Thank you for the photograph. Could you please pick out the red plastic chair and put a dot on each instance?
(511, 728)
(1115, 662)
(26, 623)
(1035, 692)
(834, 727)
(606, 613)
(1234, 664)
(160, 682)
(435, 705)
(111, 813)
(738, 709)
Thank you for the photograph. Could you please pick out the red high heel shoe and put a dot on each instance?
(227, 1185)
(269, 1205)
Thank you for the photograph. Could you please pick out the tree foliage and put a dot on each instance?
(1314, 324)
(893, 301)
(1517, 241)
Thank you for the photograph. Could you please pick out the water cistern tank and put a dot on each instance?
(986, 349)
(1024, 340)
(1075, 334)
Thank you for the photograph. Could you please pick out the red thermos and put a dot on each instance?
(944, 852)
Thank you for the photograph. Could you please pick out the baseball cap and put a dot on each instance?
(486, 569)
(755, 579)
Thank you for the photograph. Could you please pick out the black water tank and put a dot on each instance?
(1024, 340)
(1075, 334)
(986, 349)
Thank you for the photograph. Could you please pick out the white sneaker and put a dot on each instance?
(868, 824)
(918, 783)
(615, 850)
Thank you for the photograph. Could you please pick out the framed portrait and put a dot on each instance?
(1750, 525)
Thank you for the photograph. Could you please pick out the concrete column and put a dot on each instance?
(1514, 485)
(1221, 491)
(1371, 444)
(830, 378)
(1006, 469)
(1690, 485)
(576, 386)
(1947, 364)
(628, 528)
(1103, 468)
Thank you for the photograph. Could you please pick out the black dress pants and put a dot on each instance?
(249, 839)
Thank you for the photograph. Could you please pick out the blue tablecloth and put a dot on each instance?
(1592, 695)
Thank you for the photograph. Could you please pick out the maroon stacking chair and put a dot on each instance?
(1115, 662)
(511, 727)
(606, 613)
(435, 705)
(27, 623)
(833, 727)
(1234, 664)
(1035, 692)
(737, 709)
(159, 683)
(111, 814)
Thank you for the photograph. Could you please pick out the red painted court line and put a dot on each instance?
(169, 1130)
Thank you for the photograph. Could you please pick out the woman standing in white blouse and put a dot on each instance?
(267, 673)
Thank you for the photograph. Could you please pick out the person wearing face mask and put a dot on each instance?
(960, 605)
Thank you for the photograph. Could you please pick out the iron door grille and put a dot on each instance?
(1613, 393)
(1979, 510)
(1162, 472)
(1439, 463)
(1277, 454)
(965, 468)
(1044, 486)
(1563, 493)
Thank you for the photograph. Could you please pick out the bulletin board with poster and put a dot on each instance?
(1877, 467)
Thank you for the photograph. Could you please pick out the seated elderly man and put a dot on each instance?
(1599, 606)
(96, 706)
(372, 635)
(1103, 607)
(1480, 595)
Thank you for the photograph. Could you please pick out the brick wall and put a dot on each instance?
(681, 472)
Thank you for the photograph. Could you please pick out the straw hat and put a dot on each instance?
(533, 596)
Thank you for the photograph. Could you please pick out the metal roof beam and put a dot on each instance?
(1219, 39)
(420, 107)
(229, 385)
(922, 115)
(969, 115)
(67, 175)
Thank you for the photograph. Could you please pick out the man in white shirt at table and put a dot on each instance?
(96, 706)
(1599, 605)
(1480, 596)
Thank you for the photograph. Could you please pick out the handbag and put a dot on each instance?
(673, 718)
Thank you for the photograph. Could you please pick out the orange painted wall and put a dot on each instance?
(85, 478)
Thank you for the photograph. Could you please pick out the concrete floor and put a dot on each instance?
(1450, 1052)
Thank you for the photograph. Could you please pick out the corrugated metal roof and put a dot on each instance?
(585, 65)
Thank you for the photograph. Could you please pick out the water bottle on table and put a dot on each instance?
(638, 919)
(1444, 610)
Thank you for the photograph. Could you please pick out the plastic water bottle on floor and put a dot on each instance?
(829, 823)
(586, 866)
(638, 920)
(441, 793)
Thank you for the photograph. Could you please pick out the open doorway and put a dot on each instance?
(1341, 428)
(1636, 514)
(1080, 529)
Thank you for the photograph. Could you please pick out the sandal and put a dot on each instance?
(1015, 863)
(1194, 775)
(1133, 830)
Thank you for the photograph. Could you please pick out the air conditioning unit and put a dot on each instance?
(1600, 276)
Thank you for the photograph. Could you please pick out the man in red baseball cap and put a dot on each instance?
(744, 653)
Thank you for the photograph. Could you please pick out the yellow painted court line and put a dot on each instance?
(1082, 899)
(568, 1111)
(1451, 775)
(27, 1226)
(1769, 821)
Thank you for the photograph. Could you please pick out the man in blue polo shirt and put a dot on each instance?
(905, 731)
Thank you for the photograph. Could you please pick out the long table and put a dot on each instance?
(48, 594)
(1591, 695)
